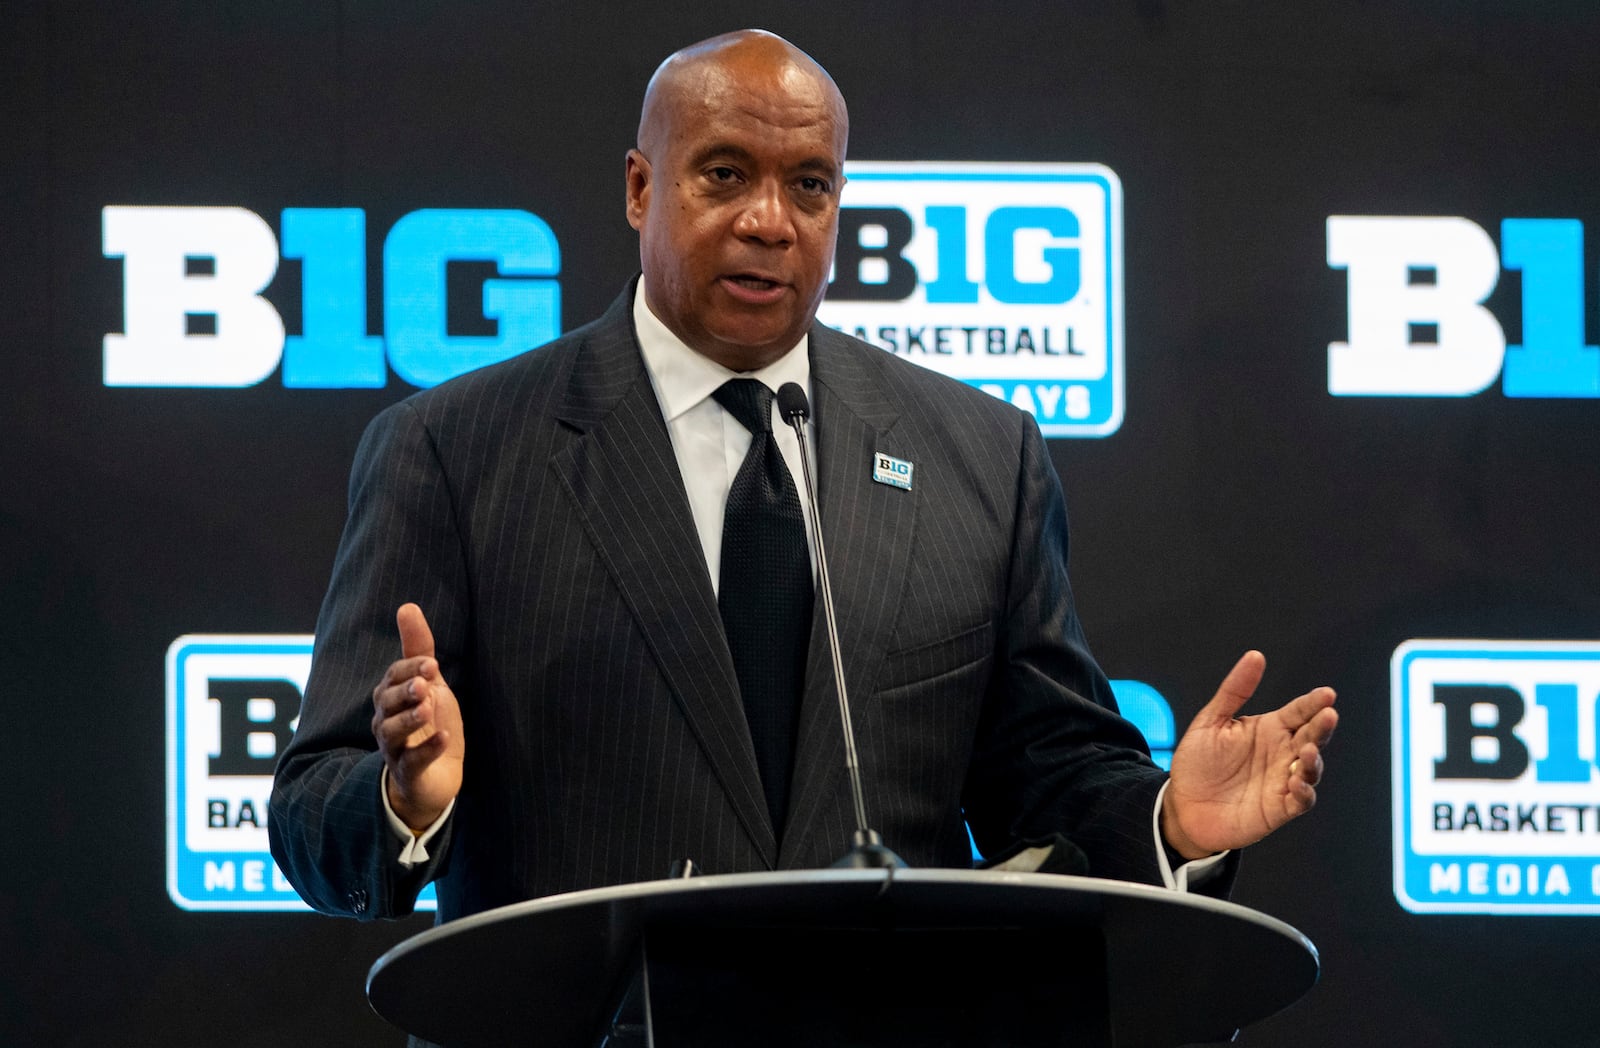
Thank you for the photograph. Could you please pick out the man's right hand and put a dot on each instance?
(417, 723)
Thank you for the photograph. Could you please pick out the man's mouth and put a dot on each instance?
(754, 290)
(754, 283)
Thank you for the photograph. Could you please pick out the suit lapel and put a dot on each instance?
(625, 483)
(867, 528)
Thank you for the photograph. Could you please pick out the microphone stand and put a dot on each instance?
(867, 850)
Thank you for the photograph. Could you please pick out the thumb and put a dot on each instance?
(1235, 689)
(415, 636)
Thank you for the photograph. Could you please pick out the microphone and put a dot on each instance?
(867, 850)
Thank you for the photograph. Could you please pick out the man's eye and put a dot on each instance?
(723, 174)
(815, 185)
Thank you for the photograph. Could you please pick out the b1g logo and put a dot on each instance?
(1418, 326)
(194, 315)
(232, 704)
(1496, 808)
(1005, 276)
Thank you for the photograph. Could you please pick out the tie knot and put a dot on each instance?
(749, 401)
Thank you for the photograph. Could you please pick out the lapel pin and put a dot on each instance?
(886, 469)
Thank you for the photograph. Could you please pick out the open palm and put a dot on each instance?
(1236, 779)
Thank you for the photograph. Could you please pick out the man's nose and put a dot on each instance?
(766, 215)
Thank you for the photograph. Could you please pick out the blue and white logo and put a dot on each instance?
(194, 313)
(1005, 276)
(1418, 323)
(232, 703)
(886, 469)
(1496, 808)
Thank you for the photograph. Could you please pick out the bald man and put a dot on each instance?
(532, 565)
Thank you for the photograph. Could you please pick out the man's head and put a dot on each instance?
(734, 189)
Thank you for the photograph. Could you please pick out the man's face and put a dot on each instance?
(737, 207)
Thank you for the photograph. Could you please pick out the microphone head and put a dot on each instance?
(792, 403)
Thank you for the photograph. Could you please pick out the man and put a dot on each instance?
(574, 702)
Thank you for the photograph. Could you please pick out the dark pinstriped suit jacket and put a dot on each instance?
(535, 511)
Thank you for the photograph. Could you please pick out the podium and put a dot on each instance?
(844, 958)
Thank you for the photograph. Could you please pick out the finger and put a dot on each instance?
(390, 699)
(1304, 711)
(1236, 688)
(394, 733)
(1302, 796)
(415, 636)
(1318, 728)
(403, 670)
(1307, 767)
(403, 709)
(406, 728)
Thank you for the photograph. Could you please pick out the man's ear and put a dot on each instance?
(637, 181)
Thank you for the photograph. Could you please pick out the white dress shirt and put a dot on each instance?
(709, 442)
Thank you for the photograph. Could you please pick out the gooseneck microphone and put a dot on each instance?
(867, 850)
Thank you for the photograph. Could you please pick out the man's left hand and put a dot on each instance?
(1236, 779)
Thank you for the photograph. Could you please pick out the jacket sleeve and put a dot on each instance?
(401, 543)
(1053, 755)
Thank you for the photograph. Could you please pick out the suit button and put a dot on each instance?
(358, 900)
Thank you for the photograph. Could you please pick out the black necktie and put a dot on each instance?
(765, 590)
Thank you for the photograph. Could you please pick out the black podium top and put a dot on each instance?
(1178, 968)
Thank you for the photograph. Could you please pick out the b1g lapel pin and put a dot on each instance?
(886, 469)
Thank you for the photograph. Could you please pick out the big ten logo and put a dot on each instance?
(1494, 759)
(194, 313)
(232, 705)
(1005, 276)
(1418, 325)
(886, 469)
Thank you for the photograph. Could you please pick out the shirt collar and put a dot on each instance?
(683, 378)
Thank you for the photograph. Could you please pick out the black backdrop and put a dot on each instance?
(1239, 504)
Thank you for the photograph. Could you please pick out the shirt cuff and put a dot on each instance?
(415, 850)
(1188, 875)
